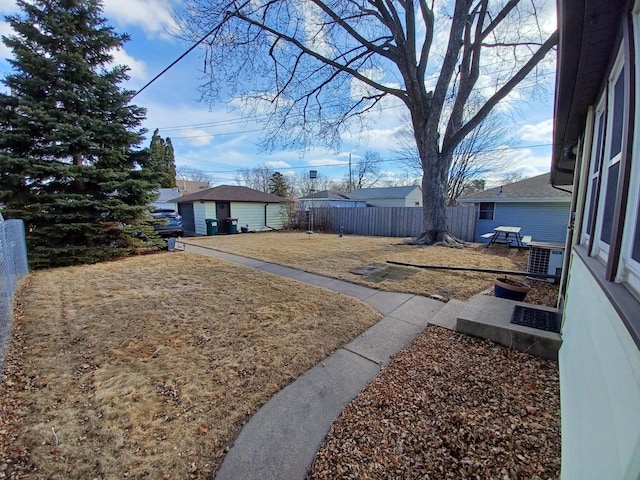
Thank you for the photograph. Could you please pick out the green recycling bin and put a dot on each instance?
(212, 226)
(232, 225)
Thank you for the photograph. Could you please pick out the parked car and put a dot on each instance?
(172, 227)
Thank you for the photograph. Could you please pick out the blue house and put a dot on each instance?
(533, 204)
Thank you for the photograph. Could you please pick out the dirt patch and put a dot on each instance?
(148, 367)
(450, 406)
(337, 257)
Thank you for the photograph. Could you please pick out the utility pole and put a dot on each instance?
(350, 182)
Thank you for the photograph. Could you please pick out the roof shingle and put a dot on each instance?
(230, 193)
(534, 188)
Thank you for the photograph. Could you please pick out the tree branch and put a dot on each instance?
(427, 16)
(455, 139)
(354, 73)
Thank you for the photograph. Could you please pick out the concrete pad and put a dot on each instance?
(385, 338)
(489, 317)
(278, 270)
(447, 317)
(311, 278)
(229, 257)
(387, 302)
(417, 310)
(282, 438)
(350, 289)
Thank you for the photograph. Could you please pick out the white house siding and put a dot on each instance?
(202, 211)
(276, 213)
(414, 199)
(599, 384)
(387, 202)
(252, 214)
(545, 222)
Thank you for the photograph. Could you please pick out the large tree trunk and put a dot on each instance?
(435, 166)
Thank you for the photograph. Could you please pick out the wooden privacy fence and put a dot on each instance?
(392, 221)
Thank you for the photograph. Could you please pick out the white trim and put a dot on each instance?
(517, 200)
(601, 249)
(629, 269)
(593, 171)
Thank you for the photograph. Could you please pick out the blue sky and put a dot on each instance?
(216, 139)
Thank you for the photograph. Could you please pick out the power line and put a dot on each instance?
(240, 120)
(189, 50)
(381, 161)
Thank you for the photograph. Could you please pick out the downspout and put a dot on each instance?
(265, 217)
(570, 240)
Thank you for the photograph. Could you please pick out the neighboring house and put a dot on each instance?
(258, 210)
(389, 196)
(166, 197)
(187, 187)
(597, 149)
(329, 198)
(533, 204)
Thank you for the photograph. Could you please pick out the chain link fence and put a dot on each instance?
(13, 268)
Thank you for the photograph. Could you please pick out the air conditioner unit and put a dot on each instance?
(545, 258)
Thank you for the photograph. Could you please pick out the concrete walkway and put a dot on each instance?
(280, 441)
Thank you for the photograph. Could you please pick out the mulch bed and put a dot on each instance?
(450, 406)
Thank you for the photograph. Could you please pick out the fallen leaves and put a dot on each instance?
(450, 406)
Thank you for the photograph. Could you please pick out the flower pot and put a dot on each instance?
(510, 289)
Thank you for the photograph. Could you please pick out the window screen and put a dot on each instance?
(486, 211)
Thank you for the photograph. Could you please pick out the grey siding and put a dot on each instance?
(545, 222)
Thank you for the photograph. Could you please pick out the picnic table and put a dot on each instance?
(508, 235)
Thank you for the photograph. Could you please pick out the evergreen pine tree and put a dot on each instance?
(67, 136)
(162, 160)
(278, 185)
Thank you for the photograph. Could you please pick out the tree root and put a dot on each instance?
(442, 239)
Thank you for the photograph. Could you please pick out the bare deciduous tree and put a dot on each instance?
(256, 178)
(478, 155)
(512, 177)
(316, 65)
(301, 184)
(193, 174)
(366, 172)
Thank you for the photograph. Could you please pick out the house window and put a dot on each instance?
(594, 171)
(629, 263)
(611, 161)
(485, 211)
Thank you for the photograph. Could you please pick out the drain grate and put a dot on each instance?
(534, 318)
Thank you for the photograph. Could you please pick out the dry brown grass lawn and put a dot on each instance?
(333, 256)
(147, 367)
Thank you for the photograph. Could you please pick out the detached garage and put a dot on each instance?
(253, 209)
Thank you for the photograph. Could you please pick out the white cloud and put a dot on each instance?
(327, 162)
(316, 37)
(539, 132)
(5, 29)
(196, 137)
(277, 164)
(137, 68)
(8, 6)
(153, 16)
(523, 161)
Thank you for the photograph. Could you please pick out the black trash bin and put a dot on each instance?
(232, 225)
(212, 226)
